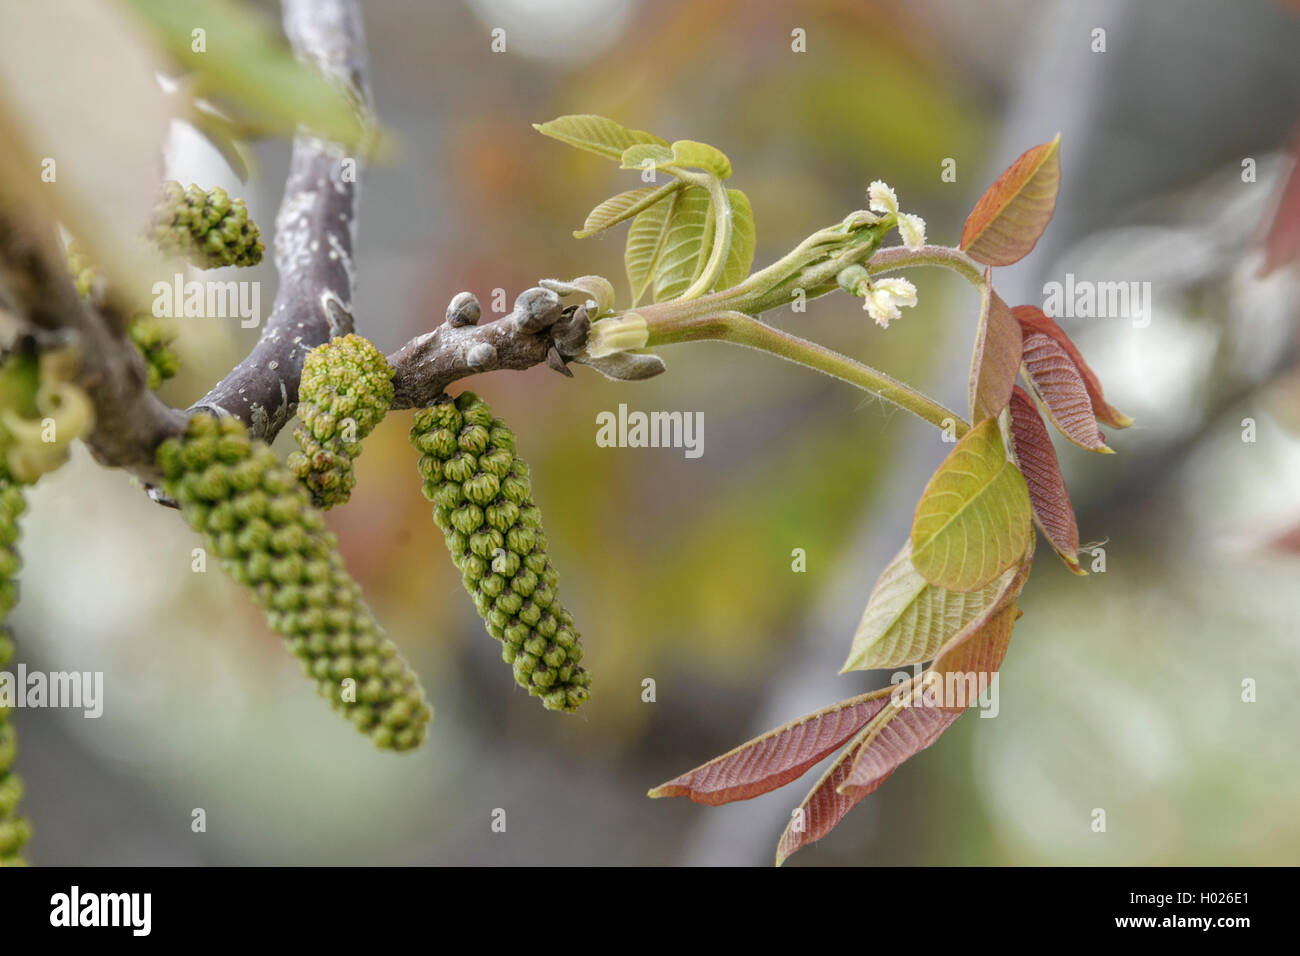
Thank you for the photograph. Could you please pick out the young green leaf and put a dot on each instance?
(687, 152)
(645, 244)
(1033, 449)
(596, 134)
(1007, 221)
(824, 806)
(777, 757)
(1033, 319)
(686, 246)
(740, 255)
(598, 291)
(973, 520)
(996, 359)
(622, 207)
(1058, 384)
(907, 619)
(245, 61)
(646, 156)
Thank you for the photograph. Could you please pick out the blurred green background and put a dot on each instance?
(1121, 691)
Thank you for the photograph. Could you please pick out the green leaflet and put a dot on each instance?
(973, 520)
(624, 206)
(907, 619)
(687, 152)
(740, 255)
(686, 244)
(645, 244)
(646, 156)
(596, 134)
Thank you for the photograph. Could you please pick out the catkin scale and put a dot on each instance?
(206, 227)
(482, 501)
(259, 521)
(346, 388)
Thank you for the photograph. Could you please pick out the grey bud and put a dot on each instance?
(463, 310)
(536, 309)
(570, 333)
(481, 355)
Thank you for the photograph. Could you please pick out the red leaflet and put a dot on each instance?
(1283, 242)
(1059, 385)
(1007, 221)
(1033, 319)
(996, 359)
(908, 732)
(1033, 449)
(777, 757)
(823, 808)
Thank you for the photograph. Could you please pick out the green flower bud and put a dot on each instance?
(483, 503)
(207, 228)
(346, 388)
(14, 830)
(273, 542)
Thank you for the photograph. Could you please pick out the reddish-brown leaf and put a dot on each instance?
(894, 737)
(1033, 319)
(1007, 221)
(1282, 244)
(996, 359)
(823, 808)
(1033, 449)
(1057, 382)
(777, 757)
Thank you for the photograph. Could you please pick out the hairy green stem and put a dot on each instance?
(742, 329)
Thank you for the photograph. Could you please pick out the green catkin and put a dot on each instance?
(346, 388)
(207, 227)
(14, 830)
(483, 502)
(258, 519)
(151, 335)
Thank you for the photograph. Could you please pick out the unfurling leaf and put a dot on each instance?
(740, 255)
(687, 152)
(624, 366)
(645, 244)
(686, 244)
(996, 359)
(907, 619)
(777, 757)
(596, 134)
(973, 520)
(1033, 449)
(598, 290)
(1007, 221)
(823, 808)
(1059, 385)
(624, 206)
(1033, 319)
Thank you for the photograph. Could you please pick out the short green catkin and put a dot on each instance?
(258, 519)
(346, 388)
(207, 227)
(14, 830)
(483, 502)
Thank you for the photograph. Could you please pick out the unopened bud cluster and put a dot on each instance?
(206, 227)
(346, 388)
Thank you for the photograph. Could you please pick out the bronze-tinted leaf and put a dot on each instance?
(777, 757)
(1007, 221)
(1056, 380)
(1282, 245)
(1033, 319)
(1048, 496)
(996, 359)
(823, 808)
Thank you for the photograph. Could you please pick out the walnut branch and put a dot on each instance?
(315, 231)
